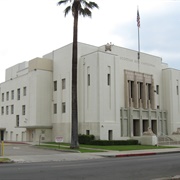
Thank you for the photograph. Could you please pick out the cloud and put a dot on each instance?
(159, 33)
(32, 29)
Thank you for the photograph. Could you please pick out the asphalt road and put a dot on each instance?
(130, 168)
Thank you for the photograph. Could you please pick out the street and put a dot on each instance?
(127, 168)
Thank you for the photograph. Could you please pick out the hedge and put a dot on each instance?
(90, 140)
(114, 142)
(85, 139)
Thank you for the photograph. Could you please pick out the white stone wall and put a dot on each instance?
(171, 92)
(37, 101)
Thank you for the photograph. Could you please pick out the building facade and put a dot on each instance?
(119, 96)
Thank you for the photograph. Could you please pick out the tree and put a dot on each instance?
(77, 7)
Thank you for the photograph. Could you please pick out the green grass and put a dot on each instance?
(93, 148)
(2, 160)
(67, 148)
(125, 147)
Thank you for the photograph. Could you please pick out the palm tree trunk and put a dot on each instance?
(74, 128)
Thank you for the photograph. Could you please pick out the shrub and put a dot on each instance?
(85, 139)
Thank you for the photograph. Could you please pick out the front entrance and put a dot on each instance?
(145, 125)
(110, 135)
(154, 126)
(136, 127)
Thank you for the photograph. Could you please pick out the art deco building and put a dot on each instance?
(119, 96)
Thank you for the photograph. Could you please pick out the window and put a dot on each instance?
(24, 91)
(12, 109)
(7, 96)
(63, 83)
(55, 108)
(157, 89)
(177, 90)
(110, 135)
(2, 110)
(17, 120)
(140, 90)
(18, 94)
(55, 85)
(87, 132)
(89, 79)
(12, 94)
(63, 107)
(2, 97)
(149, 91)
(131, 89)
(7, 110)
(108, 79)
(23, 109)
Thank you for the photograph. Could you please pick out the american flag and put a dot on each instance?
(138, 19)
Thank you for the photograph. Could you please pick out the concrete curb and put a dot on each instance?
(140, 154)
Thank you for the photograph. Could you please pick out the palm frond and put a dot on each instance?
(66, 11)
(89, 4)
(93, 5)
(85, 12)
(63, 2)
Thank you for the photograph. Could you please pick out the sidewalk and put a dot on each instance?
(72, 156)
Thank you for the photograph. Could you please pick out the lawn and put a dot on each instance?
(67, 148)
(93, 148)
(3, 160)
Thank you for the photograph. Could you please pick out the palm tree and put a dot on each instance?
(77, 7)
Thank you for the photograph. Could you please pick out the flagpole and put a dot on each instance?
(138, 50)
(138, 25)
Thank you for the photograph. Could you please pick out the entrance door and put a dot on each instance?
(110, 134)
(154, 126)
(145, 125)
(136, 127)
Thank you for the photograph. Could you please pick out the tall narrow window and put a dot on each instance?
(23, 109)
(64, 83)
(7, 110)
(63, 107)
(18, 94)
(7, 96)
(55, 85)
(24, 91)
(17, 120)
(12, 109)
(131, 89)
(108, 79)
(110, 135)
(140, 90)
(2, 110)
(149, 91)
(177, 90)
(157, 89)
(55, 108)
(2, 97)
(12, 94)
(89, 79)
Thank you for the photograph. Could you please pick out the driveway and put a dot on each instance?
(26, 149)
(28, 153)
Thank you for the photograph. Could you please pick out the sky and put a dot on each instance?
(33, 28)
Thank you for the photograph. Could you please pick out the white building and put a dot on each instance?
(119, 97)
